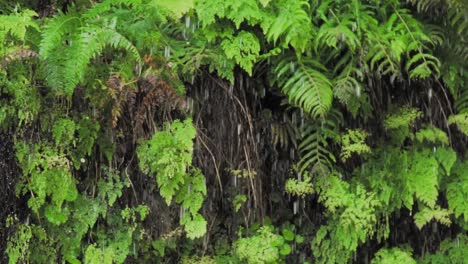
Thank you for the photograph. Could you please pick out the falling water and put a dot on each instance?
(239, 129)
(302, 119)
(358, 91)
(295, 207)
(207, 94)
(167, 52)
(429, 94)
(292, 67)
(187, 21)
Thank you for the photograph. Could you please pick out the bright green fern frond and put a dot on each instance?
(16, 24)
(66, 58)
(306, 85)
(291, 22)
(461, 121)
(426, 215)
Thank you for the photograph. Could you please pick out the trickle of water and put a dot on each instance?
(181, 212)
(239, 129)
(258, 138)
(302, 118)
(190, 104)
(207, 94)
(295, 207)
(292, 67)
(358, 91)
(167, 52)
(187, 21)
(184, 34)
(234, 180)
(429, 94)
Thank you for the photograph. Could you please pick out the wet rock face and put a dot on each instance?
(9, 175)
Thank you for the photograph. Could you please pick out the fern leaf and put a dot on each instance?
(291, 22)
(314, 143)
(307, 86)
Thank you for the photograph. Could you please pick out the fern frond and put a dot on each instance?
(291, 22)
(306, 86)
(335, 31)
(16, 24)
(67, 64)
(426, 215)
(314, 144)
(461, 121)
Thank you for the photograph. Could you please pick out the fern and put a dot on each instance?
(291, 22)
(314, 145)
(244, 48)
(168, 154)
(393, 255)
(353, 142)
(16, 25)
(457, 190)
(461, 121)
(66, 64)
(450, 251)
(306, 86)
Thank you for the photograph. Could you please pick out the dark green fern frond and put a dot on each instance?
(306, 85)
(314, 146)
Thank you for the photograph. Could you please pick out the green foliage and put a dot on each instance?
(168, 154)
(399, 122)
(243, 48)
(450, 251)
(314, 146)
(24, 104)
(18, 244)
(16, 25)
(66, 64)
(354, 142)
(461, 121)
(373, 56)
(432, 135)
(353, 218)
(306, 85)
(393, 255)
(46, 173)
(426, 214)
(457, 190)
(238, 201)
(266, 246)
